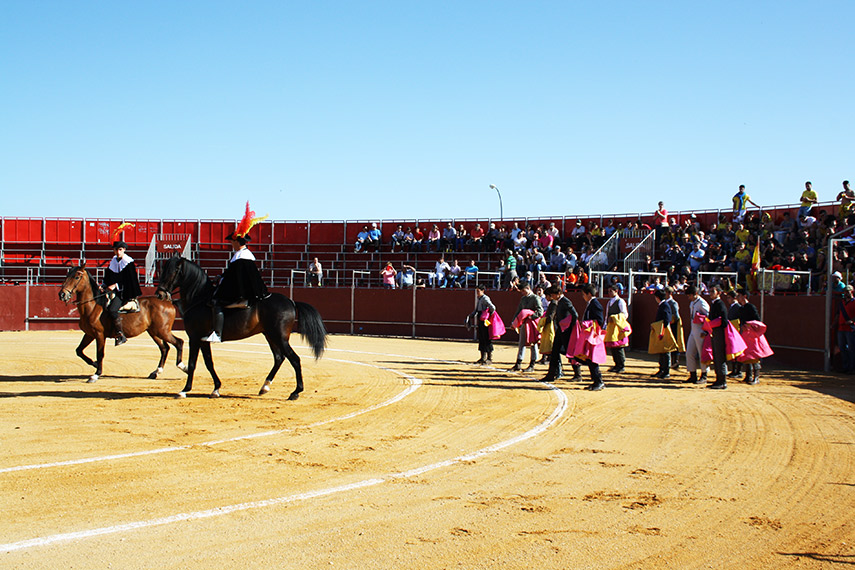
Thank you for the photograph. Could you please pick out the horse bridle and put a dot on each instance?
(78, 276)
(169, 285)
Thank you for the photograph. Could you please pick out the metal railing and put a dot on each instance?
(644, 247)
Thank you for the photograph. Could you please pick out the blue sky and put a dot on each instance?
(384, 110)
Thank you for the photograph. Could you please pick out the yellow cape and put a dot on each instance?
(661, 339)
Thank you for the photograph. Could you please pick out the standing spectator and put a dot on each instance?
(406, 277)
(660, 223)
(501, 272)
(808, 200)
(846, 330)
(846, 197)
(510, 268)
(316, 273)
(388, 276)
(740, 201)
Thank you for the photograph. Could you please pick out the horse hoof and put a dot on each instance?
(182, 366)
(264, 389)
(93, 379)
(181, 395)
(294, 395)
(215, 394)
(152, 376)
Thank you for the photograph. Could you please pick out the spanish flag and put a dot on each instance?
(751, 279)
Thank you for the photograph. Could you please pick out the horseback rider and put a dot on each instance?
(121, 286)
(240, 285)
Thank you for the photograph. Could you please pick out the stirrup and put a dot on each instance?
(213, 337)
(239, 304)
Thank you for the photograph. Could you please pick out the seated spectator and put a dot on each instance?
(741, 259)
(676, 256)
(418, 240)
(316, 273)
(513, 235)
(742, 234)
(618, 286)
(609, 229)
(571, 259)
(696, 257)
(519, 242)
(433, 239)
(577, 235)
(449, 235)
(455, 275)
(538, 263)
(476, 238)
(553, 231)
(438, 278)
(407, 242)
(398, 237)
(363, 239)
(557, 261)
(546, 242)
(375, 237)
(406, 277)
(462, 239)
(492, 239)
(387, 276)
(585, 259)
(471, 277)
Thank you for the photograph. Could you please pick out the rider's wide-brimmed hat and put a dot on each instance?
(241, 232)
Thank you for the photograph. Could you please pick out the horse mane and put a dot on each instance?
(195, 283)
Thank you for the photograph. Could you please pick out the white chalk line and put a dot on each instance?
(414, 384)
(220, 511)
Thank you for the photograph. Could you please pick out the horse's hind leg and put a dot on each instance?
(99, 358)
(281, 348)
(164, 352)
(209, 364)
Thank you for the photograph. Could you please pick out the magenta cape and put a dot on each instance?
(586, 342)
(757, 346)
(493, 323)
(734, 346)
(526, 324)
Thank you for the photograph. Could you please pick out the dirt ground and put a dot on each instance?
(399, 454)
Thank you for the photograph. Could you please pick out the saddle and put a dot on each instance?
(239, 304)
(132, 306)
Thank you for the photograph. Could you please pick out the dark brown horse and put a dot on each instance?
(155, 317)
(276, 317)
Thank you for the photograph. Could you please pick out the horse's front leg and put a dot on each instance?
(84, 342)
(100, 341)
(195, 345)
(179, 348)
(209, 364)
(164, 352)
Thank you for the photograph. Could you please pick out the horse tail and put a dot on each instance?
(311, 327)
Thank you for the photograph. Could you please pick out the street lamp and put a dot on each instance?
(501, 212)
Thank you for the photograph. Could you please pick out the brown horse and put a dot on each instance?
(155, 317)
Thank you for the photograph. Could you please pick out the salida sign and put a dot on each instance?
(171, 244)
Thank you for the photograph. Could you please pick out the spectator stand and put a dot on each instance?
(601, 279)
(784, 281)
(713, 274)
(291, 280)
(644, 247)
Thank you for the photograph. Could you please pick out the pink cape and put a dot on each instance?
(526, 324)
(495, 324)
(757, 346)
(734, 346)
(586, 342)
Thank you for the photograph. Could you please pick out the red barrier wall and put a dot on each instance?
(794, 322)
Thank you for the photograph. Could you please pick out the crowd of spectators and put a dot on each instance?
(683, 248)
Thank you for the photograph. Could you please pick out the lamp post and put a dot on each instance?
(501, 212)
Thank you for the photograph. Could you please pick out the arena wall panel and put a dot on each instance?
(326, 233)
(290, 233)
(22, 229)
(64, 231)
